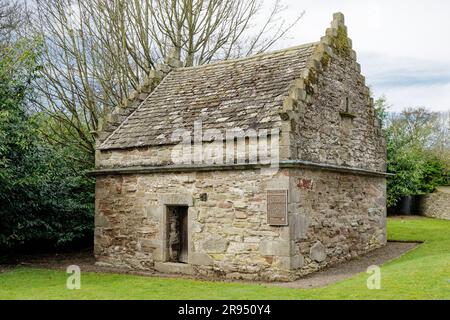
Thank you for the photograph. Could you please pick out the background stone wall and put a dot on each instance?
(437, 204)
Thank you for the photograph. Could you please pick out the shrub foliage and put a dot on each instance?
(43, 196)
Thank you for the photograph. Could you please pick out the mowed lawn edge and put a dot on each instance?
(423, 273)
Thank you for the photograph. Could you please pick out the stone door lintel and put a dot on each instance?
(176, 199)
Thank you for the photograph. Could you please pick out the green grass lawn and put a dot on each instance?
(423, 273)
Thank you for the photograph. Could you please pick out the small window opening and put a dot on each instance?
(347, 105)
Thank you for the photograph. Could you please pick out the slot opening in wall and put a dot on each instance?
(177, 234)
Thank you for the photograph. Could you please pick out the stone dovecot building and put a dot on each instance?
(173, 194)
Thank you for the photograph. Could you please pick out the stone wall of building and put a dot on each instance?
(332, 217)
(338, 124)
(227, 230)
(217, 153)
(335, 216)
(437, 204)
(148, 156)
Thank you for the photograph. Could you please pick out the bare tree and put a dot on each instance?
(77, 85)
(442, 137)
(16, 51)
(13, 16)
(200, 31)
(97, 51)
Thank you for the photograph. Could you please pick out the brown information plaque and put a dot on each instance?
(277, 207)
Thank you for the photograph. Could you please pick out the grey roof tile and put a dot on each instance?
(244, 92)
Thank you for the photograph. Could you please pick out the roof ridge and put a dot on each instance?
(252, 57)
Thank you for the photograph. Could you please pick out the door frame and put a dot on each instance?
(174, 200)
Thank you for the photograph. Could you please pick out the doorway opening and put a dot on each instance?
(177, 233)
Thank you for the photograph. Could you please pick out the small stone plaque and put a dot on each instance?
(277, 207)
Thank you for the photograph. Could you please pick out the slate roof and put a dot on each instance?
(245, 93)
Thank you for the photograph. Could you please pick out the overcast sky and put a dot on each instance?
(403, 46)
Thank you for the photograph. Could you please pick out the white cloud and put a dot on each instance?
(433, 97)
(402, 45)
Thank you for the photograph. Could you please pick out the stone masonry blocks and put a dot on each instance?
(274, 248)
